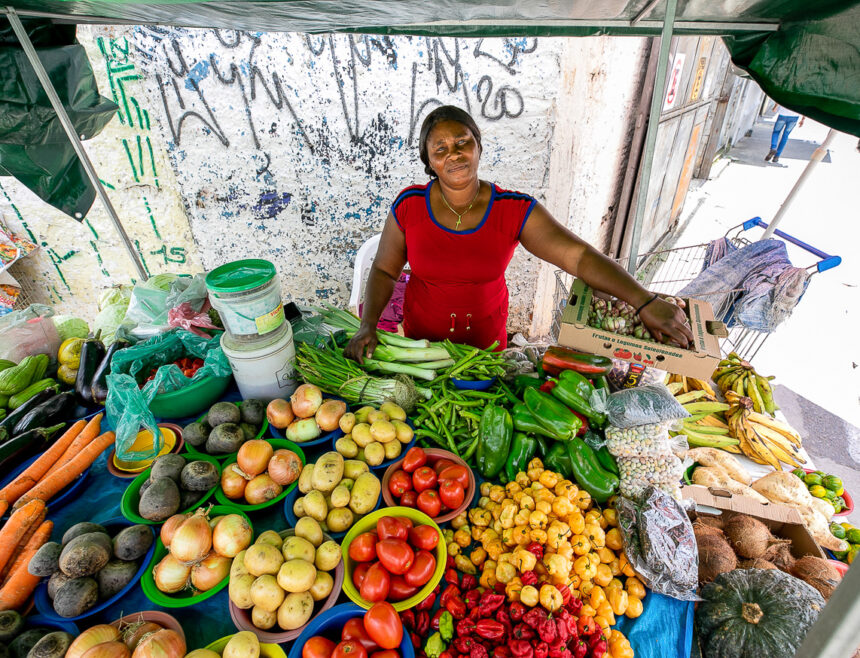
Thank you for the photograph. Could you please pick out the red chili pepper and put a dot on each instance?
(416, 639)
(528, 578)
(490, 603)
(565, 592)
(521, 649)
(500, 588)
(502, 652)
(475, 613)
(541, 650)
(534, 617)
(449, 563)
(585, 625)
(434, 621)
(599, 650)
(457, 607)
(446, 654)
(469, 582)
(422, 623)
(490, 629)
(465, 627)
(427, 604)
(580, 649)
(548, 385)
(546, 630)
(584, 427)
(478, 651)
(574, 605)
(555, 648)
(451, 577)
(535, 549)
(472, 597)
(562, 630)
(523, 632)
(463, 644)
(408, 619)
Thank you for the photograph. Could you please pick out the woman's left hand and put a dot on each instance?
(664, 319)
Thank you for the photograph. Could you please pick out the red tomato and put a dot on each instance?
(318, 647)
(409, 499)
(442, 464)
(424, 537)
(395, 555)
(422, 569)
(353, 629)
(405, 521)
(400, 590)
(451, 493)
(376, 583)
(359, 573)
(414, 459)
(362, 547)
(424, 478)
(429, 502)
(455, 472)
(389, 527)
(388, 653)
(383, 625)
(349, 649)
(399, 483)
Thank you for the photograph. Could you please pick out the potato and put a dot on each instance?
(305, 478)
(309, 529)
(383, 431)
(133, 542)
(299, 508)
(243, 644)
(328, 471)
(297, 575)
(392, 449)
(262, 559)
(76, 596)
(346, 446)
(347, 482)
(340, 519)
(360, 456)
(374, 454)
(263, 619)
(86, 554)
(340, 496)
(376, 415)
(270, 537)
(298, 548)
(322, 586)
(404, 432)
(202, 653)
(238, 566)
(240, 590)
(361, 434)
(394, 411)
(266, 593)
(315, 505)
(353, 468)
(347, 422)
(295, 611)
(327, 556)
(365, 493)
(362, 414)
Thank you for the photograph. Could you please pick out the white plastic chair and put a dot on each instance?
(361, 270)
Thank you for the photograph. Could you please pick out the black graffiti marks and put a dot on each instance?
(500, 100)
(515, 47)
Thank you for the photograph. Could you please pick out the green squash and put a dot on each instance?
(752, 613)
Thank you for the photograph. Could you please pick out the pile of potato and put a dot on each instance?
(280, 578)
(374, 435)
(336, 492)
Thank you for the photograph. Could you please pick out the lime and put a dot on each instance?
(812, 479)
(833, 483)
(840, 501)
(840, 555)
(853, 536)
(818, 491)
(821, 473)
(837, 531)
(852, 553)
(799, 472)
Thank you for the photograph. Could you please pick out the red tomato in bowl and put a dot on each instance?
(383, 625)
(318, 647)
(424, 478)
(424, 537)
(442, 464)
(422, 569)
(361, 549)
(387, 653)
(429, 502)
(455, 472)
(354, 629)
(389, 527)
(414, 459)
(400, 590)
(451, 493)
(409, 499)
(395, 555)
(399, 483)
(349, 649)
(359, 573)
(405, 521)
(376, 583)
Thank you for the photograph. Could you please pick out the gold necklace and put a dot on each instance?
(460, 214)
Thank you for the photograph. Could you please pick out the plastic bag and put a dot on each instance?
(630, 375)
(113, 304)
(147, 309)
(659, 543)
(650, 440)
(639, 473)
(28, 332)
(641, 406)
(128, 405)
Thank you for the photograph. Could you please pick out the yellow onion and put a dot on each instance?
(210, 572)
(232, 535)
(233, 482)
(163, 644)
(305, 401)
(108, 650)
(329, 413)
(253, 457)
(192, 541)
(170, 575)
(92, 637)
(170, 527)
(285, 467)
(279, 413)
(135, 632)
(262, 489)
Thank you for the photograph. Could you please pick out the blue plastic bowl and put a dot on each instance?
(387, 462)
(292, 519)
(65, 495)
(331, 622)
(35, 621)
(478, 385)
(329, 437)
(113, 525)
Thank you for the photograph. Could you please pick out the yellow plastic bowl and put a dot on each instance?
(144, 441)
(368, 523)
(266, 650)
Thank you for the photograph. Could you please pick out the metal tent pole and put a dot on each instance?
(72, 134)
(651, 135)
(817, 157)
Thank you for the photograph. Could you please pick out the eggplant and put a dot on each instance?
(58, 409)
(16, 450)
(12, 419)
(99, 383)
(92, 353)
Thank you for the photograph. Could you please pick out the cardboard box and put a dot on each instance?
(699, 361)
(784, 522)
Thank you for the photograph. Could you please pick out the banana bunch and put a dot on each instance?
(680, 384)
(705, 426)
(735, 374)
(763, 439)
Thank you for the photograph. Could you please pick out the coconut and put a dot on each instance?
(700, 528)
(712, 521)
(715, 556)
(780, 555)
(818, 572)
(748, 536)
(757, 563)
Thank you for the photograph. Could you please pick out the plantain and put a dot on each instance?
(690, 396)
(766, 394)
(707, 440)
(775, 437)
(778, 426)
(755, 394)
(706, 407)
(706, 429)
(713, 420)
(674, 387)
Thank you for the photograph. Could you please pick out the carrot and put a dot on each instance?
(21, 583)
(81, 441)
(34, 526)
(28, 479)
(4, 505)
(16, 527)
(50, 485)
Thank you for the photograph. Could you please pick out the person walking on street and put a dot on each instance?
(785, 121)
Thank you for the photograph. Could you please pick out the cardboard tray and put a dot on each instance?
(699, 361)
(783, 521)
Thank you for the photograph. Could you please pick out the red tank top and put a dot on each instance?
(457, 289)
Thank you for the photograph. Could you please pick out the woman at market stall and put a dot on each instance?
(459, 233)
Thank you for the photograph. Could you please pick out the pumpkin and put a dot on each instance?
(749, 613)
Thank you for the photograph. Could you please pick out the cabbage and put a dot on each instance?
(70, 327)
(108, 321)
(114, 295)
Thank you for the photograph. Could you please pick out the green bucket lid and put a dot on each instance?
(240, 275)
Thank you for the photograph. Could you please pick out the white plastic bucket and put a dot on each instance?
(267, 372)
(247, 296)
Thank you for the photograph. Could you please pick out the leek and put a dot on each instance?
(401, 368)
(393, 354)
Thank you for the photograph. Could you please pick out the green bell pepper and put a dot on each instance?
(523, 448)
(542, 447)
(570, 391)
(495, 432)
(577, 382)
(522, 382)
(607, 461)
(558, 460)
(524, 421)
(435, 645)
(588, 472)
(552, 414)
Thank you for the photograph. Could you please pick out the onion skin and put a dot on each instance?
(92, 637)
(134, 633)
(171, 526)
(108, 650)
(305, 401)
(193, 540)
(280, 413)
(232, 535)
(262, 489)
(233, 483)
(254, 456)
(170, 575)
(210, 572)
(285, 467)
(163, 644)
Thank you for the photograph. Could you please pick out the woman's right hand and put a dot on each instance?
(362, 344)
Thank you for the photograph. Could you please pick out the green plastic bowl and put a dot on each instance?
(368, 523)
(190, 449)
(266, 650)
(186, 597)
(276, 444)
(190, 400)
(131, 496)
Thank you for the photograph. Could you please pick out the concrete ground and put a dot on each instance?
(815, 354)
